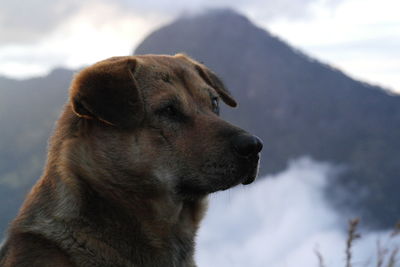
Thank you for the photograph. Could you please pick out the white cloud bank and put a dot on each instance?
(279, 222)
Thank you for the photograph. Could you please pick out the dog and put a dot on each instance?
(135, 152)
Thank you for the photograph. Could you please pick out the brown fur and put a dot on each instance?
(133, 157)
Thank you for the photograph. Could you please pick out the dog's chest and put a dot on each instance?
(178, 252)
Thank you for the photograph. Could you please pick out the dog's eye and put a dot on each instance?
(172, 111)
(169, 111)
(215, 105)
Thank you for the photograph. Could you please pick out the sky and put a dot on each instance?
(270, 224)
(361, 37)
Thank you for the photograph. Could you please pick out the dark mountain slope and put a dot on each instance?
(299, 106)
(28, 110)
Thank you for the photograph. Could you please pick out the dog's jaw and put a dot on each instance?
(253, 172)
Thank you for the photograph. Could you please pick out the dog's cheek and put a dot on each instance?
(162, 132)
(157, 149)
(139, 149)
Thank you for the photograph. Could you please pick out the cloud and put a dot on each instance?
(94, 32)
(279, 222)
(27, 21)
(268, 9)
(36, 36)
(353, 37)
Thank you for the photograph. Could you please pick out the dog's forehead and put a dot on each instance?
(167, 68)
(166, 75)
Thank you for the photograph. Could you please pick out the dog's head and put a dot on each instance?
(155, 120)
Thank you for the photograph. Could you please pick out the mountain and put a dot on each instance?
(28, 110)
(299, 106)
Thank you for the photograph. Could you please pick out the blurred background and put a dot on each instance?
(317, 80)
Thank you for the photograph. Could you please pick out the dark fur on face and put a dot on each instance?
(136, 151)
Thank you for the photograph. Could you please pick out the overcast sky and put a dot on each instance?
(361, 37)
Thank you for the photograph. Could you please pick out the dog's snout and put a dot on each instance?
(247, 145)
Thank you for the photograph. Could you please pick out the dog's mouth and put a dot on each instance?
(247, 172)
(252, 171)
(221, 177)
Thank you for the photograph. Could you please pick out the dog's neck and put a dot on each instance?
(95, 222)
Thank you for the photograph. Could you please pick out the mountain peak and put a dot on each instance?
(215, 13)
(213, 27)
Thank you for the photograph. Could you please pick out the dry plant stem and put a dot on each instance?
(321, 262)
(393, 255)
(351, 237)
(393, 260)
(381, 252)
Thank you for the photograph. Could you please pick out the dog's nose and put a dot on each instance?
(247, 145)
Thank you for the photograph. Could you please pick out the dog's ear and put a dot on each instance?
(107, 91)
(216, 83)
